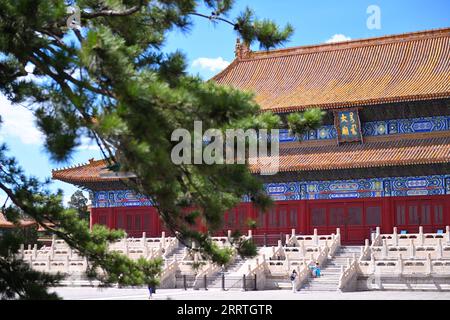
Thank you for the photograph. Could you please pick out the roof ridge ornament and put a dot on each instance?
(242, 50)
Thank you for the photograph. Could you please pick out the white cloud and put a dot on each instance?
(18, 122)
(214, 65)
(88, 144)
(338, 38)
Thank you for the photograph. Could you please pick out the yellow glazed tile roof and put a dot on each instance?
(412, 66)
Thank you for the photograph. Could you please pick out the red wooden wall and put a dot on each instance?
(356, 217)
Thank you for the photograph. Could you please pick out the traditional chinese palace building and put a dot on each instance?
(381, 157)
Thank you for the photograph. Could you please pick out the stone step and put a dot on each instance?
(331, 269)
(320, 289)
(323, 280)
(330, 276)
(284, 285)
(321, 285)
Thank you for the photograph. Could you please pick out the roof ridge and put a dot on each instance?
(79, 165)
(342, 45)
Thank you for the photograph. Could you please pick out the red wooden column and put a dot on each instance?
(112, 219)
(387, 216)
(447, 210)
(303, 217)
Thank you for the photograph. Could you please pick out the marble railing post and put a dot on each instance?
(144, 238)
(429, 267)
(302, 248)
(48, 263)
(22, 251)
(293, 232)
(372, 263)
(34, 255)
(439, 249)
(163, 239)
(447, 233)
(67, 264)
(338, 234)
(229, 234)
(412, 249)
(145, 250)
(315, 238)
(400, 264)
(395, 236)
(287, 239)
(421, 237)
(384, 250)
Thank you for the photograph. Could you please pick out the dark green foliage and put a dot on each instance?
(109, 81)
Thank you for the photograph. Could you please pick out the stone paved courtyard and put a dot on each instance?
(89, 293)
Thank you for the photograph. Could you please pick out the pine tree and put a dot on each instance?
(80, 203)
(105, 77)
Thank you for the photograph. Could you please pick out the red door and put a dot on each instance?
(355, 230)
(351, 217)
(136, 220)
(410, 214)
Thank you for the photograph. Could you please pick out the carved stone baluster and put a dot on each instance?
(439, 249)
(421, 236)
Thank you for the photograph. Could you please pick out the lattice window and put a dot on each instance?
(426, 214)
(438, 214)
(293, 217)
(318, 217)
(336, 216)
(283, 218)
(413, 213)
(373, 216)
(355, 216)
(400, 215)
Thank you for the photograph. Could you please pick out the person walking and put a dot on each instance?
(293, 278)
(151, 290)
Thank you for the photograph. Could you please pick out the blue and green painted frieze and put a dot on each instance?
(311, 190)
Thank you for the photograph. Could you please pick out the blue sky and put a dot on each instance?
(209, 48)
